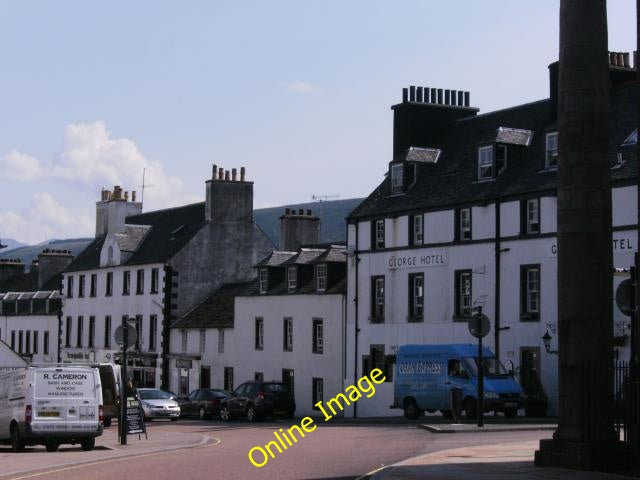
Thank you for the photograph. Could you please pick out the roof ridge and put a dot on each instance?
(515, 107)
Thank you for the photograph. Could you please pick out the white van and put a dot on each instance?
(50, 406)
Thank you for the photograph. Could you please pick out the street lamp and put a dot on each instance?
(546, 338)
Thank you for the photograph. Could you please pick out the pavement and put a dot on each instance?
(488, 427)
(505, 461)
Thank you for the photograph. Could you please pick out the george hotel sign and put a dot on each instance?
(622, 244)
(435, 259)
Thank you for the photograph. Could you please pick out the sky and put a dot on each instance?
(298, 92)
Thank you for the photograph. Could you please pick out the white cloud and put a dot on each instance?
(20, 166)
(91, 159)
(300, 86)
(44, 219)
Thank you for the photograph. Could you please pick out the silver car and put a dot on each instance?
(157, 403)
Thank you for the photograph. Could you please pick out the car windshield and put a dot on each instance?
(154, 394)
(275, 387)
(493, 368)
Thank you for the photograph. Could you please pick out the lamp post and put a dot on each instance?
(546, 338)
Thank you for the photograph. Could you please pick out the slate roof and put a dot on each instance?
(452, 181)
(217, 310)
(28, 282)
(160, 235)
(132, 237)
(303, 257)
(336, 253)
(419, 154)
(275, 259)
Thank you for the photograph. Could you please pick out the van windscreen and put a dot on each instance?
(62, 383)
(492, 367)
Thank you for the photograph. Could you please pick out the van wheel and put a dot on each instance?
(17, 444)
(51, 446)
(411, 410)
(107, 422)
(470, 408)
(88, 444)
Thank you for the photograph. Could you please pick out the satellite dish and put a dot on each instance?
(479, 325)
(132, 335)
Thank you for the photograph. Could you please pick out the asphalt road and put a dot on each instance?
(333, 451)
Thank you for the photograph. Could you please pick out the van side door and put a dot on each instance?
(457, 377)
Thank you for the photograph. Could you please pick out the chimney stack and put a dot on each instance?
(113, 209)
(298, 229)
(51, 263)
(10, 267)
(227, 199)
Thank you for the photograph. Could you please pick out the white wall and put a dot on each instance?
(32, 323)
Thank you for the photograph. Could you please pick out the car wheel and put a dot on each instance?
(88, 444)
(470, 408)
(225, 414)
(202, 414)
(411, 410)
(17, 444)
(51, 446)
(511, 412)
(252, 415)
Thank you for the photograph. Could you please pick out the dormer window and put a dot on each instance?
(263, 280)
(491, 165)
(292, 279)
(397, 178)
(551, 151)
(321, 277)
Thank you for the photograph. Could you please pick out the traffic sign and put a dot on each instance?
(119, 335)
(479, 325)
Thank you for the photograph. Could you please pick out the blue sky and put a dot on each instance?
(298, 92)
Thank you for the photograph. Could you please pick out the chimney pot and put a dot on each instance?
(467, 99)
(460, 98)
(133, 195)
(405, 95)
(220, 173)
(626, 59)
(447, 97)
(234, 174)
(620, 59)
(419, 94)
(440, 96)
(434, 94)
(226, 175)
(214, 171)
(412, 93)
(613, 58)
(126, 196)
(242, 171)
(453, 97)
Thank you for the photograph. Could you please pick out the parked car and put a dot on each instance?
(157, 403)
(257, 400)
(202, 403)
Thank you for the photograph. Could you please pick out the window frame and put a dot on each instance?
(397, 178)
(482, 164)
(153, 332)
(415, 308)
(263, 280)
(321, 279)
(462, 233)
(93, 285)
(378, 301)
(81, 285)
(259, 333)
(462, 313)
(107, 331)
(317, 336)
(79, 331)
(108, 290)
(528, 223)
(140, 281)
(551, 155)
(287, 334)
(92, 332)
(416, 229)
(526, 312)
(69, 291)
(126, 282)
(68, 327)
(35, 341)
(155, 280)
(45, 343)
(317, 387)
(378, 234)
(292, 284)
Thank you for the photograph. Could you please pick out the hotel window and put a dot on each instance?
(35, 341)
(416, 297)
(79, 332)
(264, 280)
(203, 340)
(126, 282)
(107, 331)
(530, 216)
(377, 234)
(259, 331)
(292, 279)
(221, 340)
(321, 277)
(153, 331)
(318, 336)
(551, 151)
(416, 229)
(138, 326)
(20, 340)
(485, 163)
(13, 340)
(397, 178)
(67, 336)
(377, 299)
(317, 392)
(81, 286)
(463, 294)
(287, 334)
(109, 285)
(228, 378)
(92, 331)
(45, 343)
(530, 292)
(155, 278)
(70, 286)
(27, 343)
(93, 287)
(463, 224)
(184, 340)
(140, 282)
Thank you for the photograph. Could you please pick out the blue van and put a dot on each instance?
(426, 375)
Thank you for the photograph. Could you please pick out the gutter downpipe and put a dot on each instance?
(357, 329)
(497, 327)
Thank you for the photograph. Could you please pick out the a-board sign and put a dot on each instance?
(135, 421)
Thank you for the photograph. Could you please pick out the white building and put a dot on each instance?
(466, 218)
(151, 268)
(287, 325)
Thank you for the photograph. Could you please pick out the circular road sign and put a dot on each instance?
(119, 335)
(479, 325)
(624, 296)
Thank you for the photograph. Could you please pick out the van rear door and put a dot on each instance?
(66, 400)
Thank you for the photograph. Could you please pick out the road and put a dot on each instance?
(336, 450)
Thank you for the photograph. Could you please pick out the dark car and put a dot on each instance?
(256, 400)
(202, 403)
